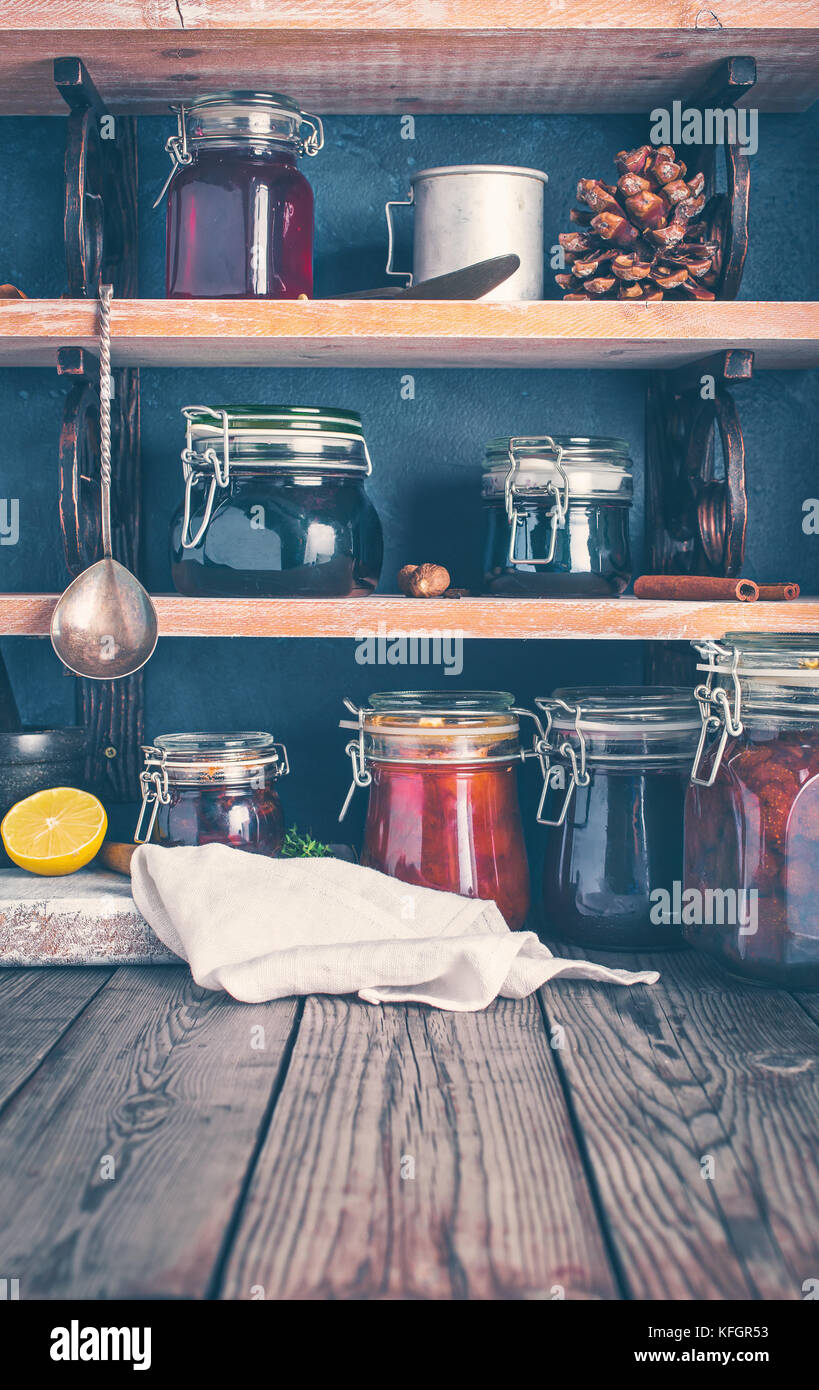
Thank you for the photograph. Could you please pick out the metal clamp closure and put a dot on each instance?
(177, 148)
(579, 776)
(192, 474)
(362, 777)
(559, 494)
(154, 782)
(716, 711)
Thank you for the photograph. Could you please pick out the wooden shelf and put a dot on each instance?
(332, 333)
(410, 55)
(605, 619)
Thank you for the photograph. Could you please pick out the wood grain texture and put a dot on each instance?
(436, 55)
(379, 333)
(660, 1079)
(161, 1076)
(29, 615)
(36, 1008)
(498, 1206)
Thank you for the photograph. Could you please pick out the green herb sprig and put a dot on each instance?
(303, 846)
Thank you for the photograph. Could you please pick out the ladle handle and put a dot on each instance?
(106, 295)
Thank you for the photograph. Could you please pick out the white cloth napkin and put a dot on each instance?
(264, 928)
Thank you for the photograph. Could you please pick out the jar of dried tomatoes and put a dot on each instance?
(213, 789)
(619, 759)
(443, 809)
(752, 810)
(240, 212)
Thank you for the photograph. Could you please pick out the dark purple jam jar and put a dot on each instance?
(240, 213)
(213, 789)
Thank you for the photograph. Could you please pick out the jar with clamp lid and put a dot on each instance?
(752, 812)
(213, 789)
(240, 212)
(556, 516)
(275, 505)
(443, 807)
(617, 768)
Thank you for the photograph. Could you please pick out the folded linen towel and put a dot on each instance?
(264, 928)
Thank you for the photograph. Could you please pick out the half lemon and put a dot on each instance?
(54, 832)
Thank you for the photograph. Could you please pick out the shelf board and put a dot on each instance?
(409, 55)
(29, 615)
(334, 333)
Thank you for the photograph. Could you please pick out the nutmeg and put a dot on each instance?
(423, 581)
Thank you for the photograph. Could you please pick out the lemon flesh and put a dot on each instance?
(54, 832)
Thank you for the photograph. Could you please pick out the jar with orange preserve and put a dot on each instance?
(213, 789)
(442, 775)
(752, 811)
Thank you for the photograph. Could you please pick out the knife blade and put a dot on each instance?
(471, 282)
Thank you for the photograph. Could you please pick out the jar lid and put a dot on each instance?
(443, 170)
(412, 726)
(263, 118)
(794, 655)
(597, 469)
(182, 750)
(640, 723)
(284, 437)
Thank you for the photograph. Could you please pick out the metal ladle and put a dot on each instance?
(105, 625)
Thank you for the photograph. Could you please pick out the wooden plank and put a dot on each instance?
(36, 1008)
(449, 55)
(660, 1080)
(378, 333)
(380, 617)
(163, 1077)
(419, 1155)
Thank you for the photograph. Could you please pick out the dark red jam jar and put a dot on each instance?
(556, 516)
(213, 789)
(618, 761)
(752, 812)
(240, 213)
(443, 809)
(275, 505)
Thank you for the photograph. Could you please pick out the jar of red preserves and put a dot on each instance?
(240, 213)
(618, 765)
(443, 810)
(752, 810)
(213, 789)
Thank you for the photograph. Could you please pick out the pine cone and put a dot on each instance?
(639, 239)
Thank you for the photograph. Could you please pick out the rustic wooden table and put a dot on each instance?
(594, 1143)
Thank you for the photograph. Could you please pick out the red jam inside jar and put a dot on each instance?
(443, 810)
(240, 213)
(752, 835)
(205, 789)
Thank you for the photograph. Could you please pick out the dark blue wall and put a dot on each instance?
(426, 452)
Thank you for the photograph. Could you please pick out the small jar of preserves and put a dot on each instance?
(275, 505)
(618, 761)
(752, 811)
(213, 789)
(443, 807)
(240, 213)
(556, 516)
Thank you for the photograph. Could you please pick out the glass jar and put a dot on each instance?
(556, 516)
(213, 789)
(443, 809)
(275, 505)
(240, 214)
(614, 854)
(752, 812)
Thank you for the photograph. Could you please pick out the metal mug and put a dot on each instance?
(470, 212)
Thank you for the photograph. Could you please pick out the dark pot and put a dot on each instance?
(36, 759)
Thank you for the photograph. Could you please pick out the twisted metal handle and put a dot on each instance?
(106, 295)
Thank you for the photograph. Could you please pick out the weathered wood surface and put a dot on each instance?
(492, 1201)
(448, 55)
(165, 1079)
(384, 333)
(565, 618)
(86, 918)
(36, 1008)
(664, 1080)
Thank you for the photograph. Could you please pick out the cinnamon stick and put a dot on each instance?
(694, 587)
(778, 592)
